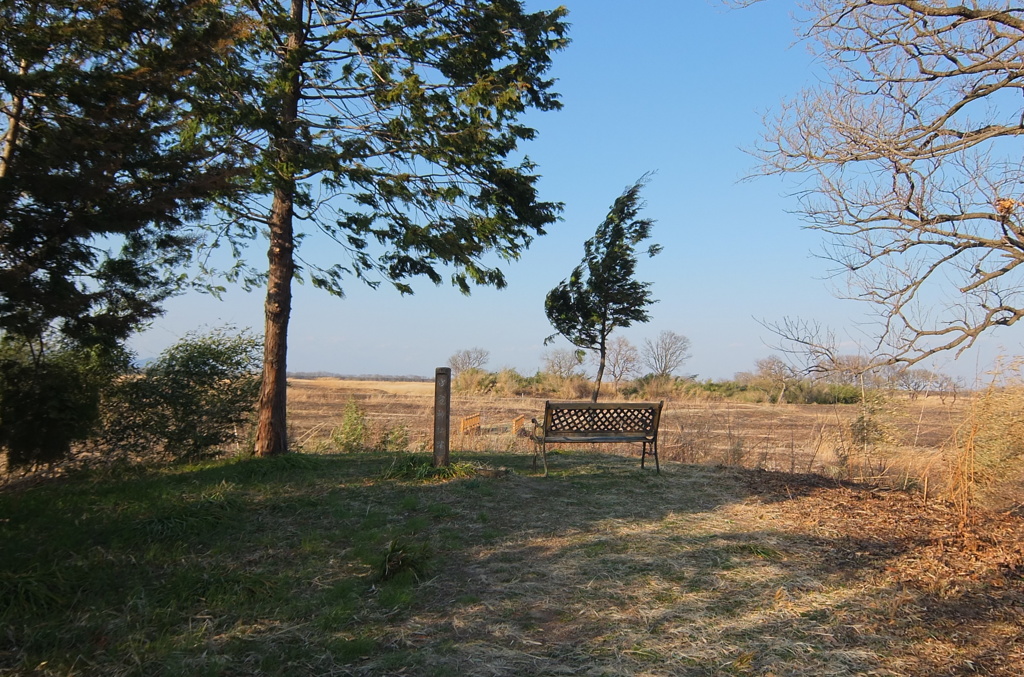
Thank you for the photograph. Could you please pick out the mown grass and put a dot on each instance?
(368, 564)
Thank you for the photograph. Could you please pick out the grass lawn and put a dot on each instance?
(352, 565)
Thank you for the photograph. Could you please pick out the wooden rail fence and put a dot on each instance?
(470, 425)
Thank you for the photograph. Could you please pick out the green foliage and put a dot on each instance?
(722, 389)
(802, 391)
(195, 397)
(653, 387)
(393, 438)
(400, 558)
(356, 433)
(813, 392)
(48, 402)
(392, 128)
(413, 467)
(601, 293)
(510, 383)
(407, 113)
(842, 394)
(96, 179)
(350, 436)
(867, 430)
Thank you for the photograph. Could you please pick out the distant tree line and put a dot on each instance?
(313, 375)
(650, 373)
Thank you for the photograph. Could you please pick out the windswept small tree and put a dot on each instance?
(601, 294)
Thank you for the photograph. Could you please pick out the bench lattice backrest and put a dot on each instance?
(600, 420)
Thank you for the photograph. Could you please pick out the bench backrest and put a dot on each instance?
(567, 418)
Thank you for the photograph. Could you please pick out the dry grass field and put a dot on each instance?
(905, 445)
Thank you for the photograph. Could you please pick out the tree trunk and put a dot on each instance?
(600, 372)
(272, 424)
(13, 127)
(272, 411)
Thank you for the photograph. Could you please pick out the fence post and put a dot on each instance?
(442, 414)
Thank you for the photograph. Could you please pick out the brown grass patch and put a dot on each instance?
(786, 438)
(711, 571)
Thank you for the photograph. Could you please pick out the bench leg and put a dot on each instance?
(540, 448)
(653, 452)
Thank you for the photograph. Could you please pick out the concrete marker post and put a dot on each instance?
(442, 415)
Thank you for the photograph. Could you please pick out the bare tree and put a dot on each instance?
(622, 359)
(470, 358)
(847, 370)
(562, 362)
(918, 181)
(666, 353)
(776, 376)
(813, 350)
(917, 381)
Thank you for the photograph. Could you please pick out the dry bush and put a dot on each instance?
(573, 388)
(657, 388)
(690, 439)
(509, 383)
(473, 381)
(987, 456)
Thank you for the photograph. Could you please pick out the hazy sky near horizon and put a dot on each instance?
(678, 88)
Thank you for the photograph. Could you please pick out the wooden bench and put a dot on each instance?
(589, 422)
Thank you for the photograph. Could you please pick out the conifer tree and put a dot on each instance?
(389, 127)
(601, 293)
(98, 177)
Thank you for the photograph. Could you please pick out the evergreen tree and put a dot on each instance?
(97, 175)
(601, 294)
(389, 126)
(100, 173)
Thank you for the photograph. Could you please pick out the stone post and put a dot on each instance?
(442, 415)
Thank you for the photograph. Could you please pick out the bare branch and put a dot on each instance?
(913, 144)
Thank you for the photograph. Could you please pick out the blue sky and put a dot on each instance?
(677, 87)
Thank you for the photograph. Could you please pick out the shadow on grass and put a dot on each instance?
(273, 566)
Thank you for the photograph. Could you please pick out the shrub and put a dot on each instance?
(394, 437)
(716, 389)
(49, 401)
(350, 436)
(510, 383)
(194, 398)
(574, 388)
(474, 381)
(816, 392)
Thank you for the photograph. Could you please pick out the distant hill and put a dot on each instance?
(311, 375)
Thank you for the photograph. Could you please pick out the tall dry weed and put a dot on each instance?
(987, 459)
